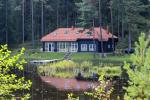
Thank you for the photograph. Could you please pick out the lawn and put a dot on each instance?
(77, 57)
(38, 55)
(44, 55)
(109, 59)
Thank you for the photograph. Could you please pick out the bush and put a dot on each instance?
(11, 80)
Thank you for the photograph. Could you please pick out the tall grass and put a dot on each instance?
(70, 69)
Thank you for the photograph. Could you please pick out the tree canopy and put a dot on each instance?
(129, 16)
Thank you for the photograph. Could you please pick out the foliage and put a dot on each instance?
(59, 69)
(71, 97)
(71, 13)
(139, 88)
(85, 66)
(69, 69)
(87, 13)
(102, 91)
(15, 16)
(11, 79)
(110, 71)
(123, 44)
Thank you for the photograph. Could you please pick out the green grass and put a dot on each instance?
(77, 57)
(37, 55)
(44, 55)
(109, 59)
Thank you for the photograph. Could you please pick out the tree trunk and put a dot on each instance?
(122, 14)
(6, 21)
(118, 20)
(57, 13)
(118, 26)
(129, 38)
(42, 18)
(93, 26)
(32, 24)
(42, 31)
(67, 14)
(100, 27)
(23, 4)
(112, 26)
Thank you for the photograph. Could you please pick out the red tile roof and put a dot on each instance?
(73, 34)
(71, 84)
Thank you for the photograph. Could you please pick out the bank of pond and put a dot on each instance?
(50, 81)
(69, 69)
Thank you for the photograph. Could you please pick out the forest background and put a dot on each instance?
(28, 20)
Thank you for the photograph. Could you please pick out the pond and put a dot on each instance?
(41, 90)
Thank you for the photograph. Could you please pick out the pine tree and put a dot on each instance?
(139, 72)
(87, 13)
(133, 19)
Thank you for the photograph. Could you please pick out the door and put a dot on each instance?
(51, 47)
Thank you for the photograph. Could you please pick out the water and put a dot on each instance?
(42, 91)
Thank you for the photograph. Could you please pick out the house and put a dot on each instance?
(79, 40)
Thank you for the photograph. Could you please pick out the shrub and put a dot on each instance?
(55, 69)
(85, 66)
(110, 71)
(10, 80)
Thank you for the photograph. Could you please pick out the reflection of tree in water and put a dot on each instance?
(46, 91)
(120, 82)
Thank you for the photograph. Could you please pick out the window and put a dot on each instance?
(108, 46)
(61, 47)
(92, 47)
(49, 47)
(83, 47)
(74, 47)
(46, 47)
(67, 47)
